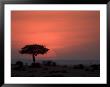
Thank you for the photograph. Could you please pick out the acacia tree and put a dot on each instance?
(34, 50)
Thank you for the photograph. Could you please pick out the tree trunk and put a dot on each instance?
(33, 58)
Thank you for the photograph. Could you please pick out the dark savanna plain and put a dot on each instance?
(55, 43)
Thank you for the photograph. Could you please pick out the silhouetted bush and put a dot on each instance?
(49, 63)
(19, 63)
(19, 66)
(54, 64)
(44, 62)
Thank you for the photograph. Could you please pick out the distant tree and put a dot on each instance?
(34, 50)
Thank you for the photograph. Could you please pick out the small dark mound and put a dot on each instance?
(19, 66)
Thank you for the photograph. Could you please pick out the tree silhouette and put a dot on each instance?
(34, 50)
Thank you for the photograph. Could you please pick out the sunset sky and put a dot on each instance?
(70, 35)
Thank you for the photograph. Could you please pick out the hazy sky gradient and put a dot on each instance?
(68, 34)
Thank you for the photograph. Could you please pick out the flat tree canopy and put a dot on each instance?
(34, 50)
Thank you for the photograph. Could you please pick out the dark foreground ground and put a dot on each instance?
(48, 70)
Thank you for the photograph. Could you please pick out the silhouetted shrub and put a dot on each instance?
(19, 63)
(19, 66)
(54, 64)
(49, 63)
(44, 62)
